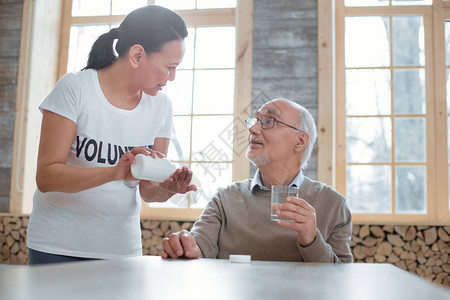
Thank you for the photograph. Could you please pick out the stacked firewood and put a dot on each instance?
(13, 240)
(423, 250)
(154, 231)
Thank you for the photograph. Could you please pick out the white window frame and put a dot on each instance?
(331, 103)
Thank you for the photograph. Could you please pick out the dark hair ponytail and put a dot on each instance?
(149, 26)
(102, 54)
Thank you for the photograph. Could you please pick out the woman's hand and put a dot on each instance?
(123, 167)
(179, 182)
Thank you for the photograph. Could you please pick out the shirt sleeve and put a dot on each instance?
(166, 127)
(206, 230)
(64, 99)
(336, 249)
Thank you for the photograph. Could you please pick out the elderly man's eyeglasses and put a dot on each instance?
(266, 123)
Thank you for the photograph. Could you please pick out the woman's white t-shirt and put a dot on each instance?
(101, 222)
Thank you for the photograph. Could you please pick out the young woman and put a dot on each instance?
(94, 122)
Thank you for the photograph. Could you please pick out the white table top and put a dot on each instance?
(150, 277)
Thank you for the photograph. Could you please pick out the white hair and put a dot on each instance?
(307, 124)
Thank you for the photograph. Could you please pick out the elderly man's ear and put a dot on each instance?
(302, 141)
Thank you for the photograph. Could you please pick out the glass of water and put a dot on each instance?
(279, 195)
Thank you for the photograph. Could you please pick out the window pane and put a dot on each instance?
(188, 58)
(211, 176)
(367, 42)
(410, 189)
(90, 8)
(366, 2)
(408, 41)
(214, 92)
(368, 140)
(176, 4)
(368, 189)
(410, 139)
(409, 91)
(179, 146)
(180, 92)
(215, 3)
(447, 42)
(207, 144)
(215, 47)
(412, 2)
(120, 7)
(80, 43)
(368, 92)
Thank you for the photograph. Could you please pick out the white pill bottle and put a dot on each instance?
(153, 169)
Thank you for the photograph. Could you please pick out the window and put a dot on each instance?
(210, 96)
(391, 115)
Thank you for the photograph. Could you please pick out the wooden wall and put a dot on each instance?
(10, 29)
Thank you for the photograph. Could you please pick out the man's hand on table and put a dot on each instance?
(180, 244)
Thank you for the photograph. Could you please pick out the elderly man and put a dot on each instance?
(237, 219)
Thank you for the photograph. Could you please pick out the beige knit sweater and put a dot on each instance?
(237, 221)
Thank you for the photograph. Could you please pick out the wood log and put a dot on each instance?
(358, 253)
(355, 229)
(430, 235)
(393, 258)
(146, 234)
(401, 230)
(384, 249)
(369, 260)
(388, 228)
(421, 257)
(429, 277)
(380, 258)
(25, 222)
(412, 266)
(157, 232)
(447, 228)
(443, 246)
(408, 255)
(443, 235)
(377, 231)
(410, 234)
(441, 276)
(174, 226)
(364, 231)
(164, 226)
(430, 262)
(5, 251)
(16, 224)
(415, 246)
(401, 264)
(9, 241)
(15, 234)
(446, 267)
(187, 226)
(369, 251)
(15, 248)
(395, 240)
(369, 241)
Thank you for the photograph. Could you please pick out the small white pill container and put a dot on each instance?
(153, 169)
